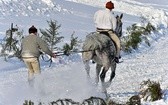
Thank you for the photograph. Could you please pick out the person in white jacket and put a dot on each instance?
(105, 21)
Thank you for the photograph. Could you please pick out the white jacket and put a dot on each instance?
(104, 19)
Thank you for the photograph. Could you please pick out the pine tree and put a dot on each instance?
(51, 35)
(72, 46)
(11, 45)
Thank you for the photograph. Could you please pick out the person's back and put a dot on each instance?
(30, 46)
(104, 19)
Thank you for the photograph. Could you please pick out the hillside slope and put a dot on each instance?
(66, 78)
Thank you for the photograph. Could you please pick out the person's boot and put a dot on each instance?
(116, 59)
(120, 57)
(93, 62)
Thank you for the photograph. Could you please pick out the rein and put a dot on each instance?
(49, 60)
(70, 52)
(67, 53)
(61, 54)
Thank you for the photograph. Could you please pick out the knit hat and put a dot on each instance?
(110, 5)
(32, 29)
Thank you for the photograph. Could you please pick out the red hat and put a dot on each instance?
(110, 5)
(32, 29)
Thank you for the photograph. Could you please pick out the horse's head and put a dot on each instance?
(118, 29)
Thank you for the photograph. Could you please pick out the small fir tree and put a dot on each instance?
(51, 35)
(28, 102)
(11, 44)
(72, 46)
(137, 34)
(150, 90)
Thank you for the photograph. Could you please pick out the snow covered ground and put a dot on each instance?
(67, 78)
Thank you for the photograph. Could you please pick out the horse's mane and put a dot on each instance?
(95, 40)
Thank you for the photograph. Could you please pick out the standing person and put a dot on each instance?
(31, 46)
(105, 21)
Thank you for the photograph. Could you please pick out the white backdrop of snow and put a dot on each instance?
(67, 78)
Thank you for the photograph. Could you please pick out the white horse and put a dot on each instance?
(99, 48)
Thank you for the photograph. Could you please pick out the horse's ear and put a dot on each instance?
(121, 16)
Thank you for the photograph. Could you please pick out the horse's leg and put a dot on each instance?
(113, 68)
(103, 75)
(86, 56)
(98, 69)
(87, 68)
(106, 66)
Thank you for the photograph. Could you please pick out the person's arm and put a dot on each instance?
(114, 22)
(44, 47)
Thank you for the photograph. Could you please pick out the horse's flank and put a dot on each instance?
(97, 43)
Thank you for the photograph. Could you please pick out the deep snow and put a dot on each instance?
(66, 78)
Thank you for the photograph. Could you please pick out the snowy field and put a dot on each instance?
(67, 78)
